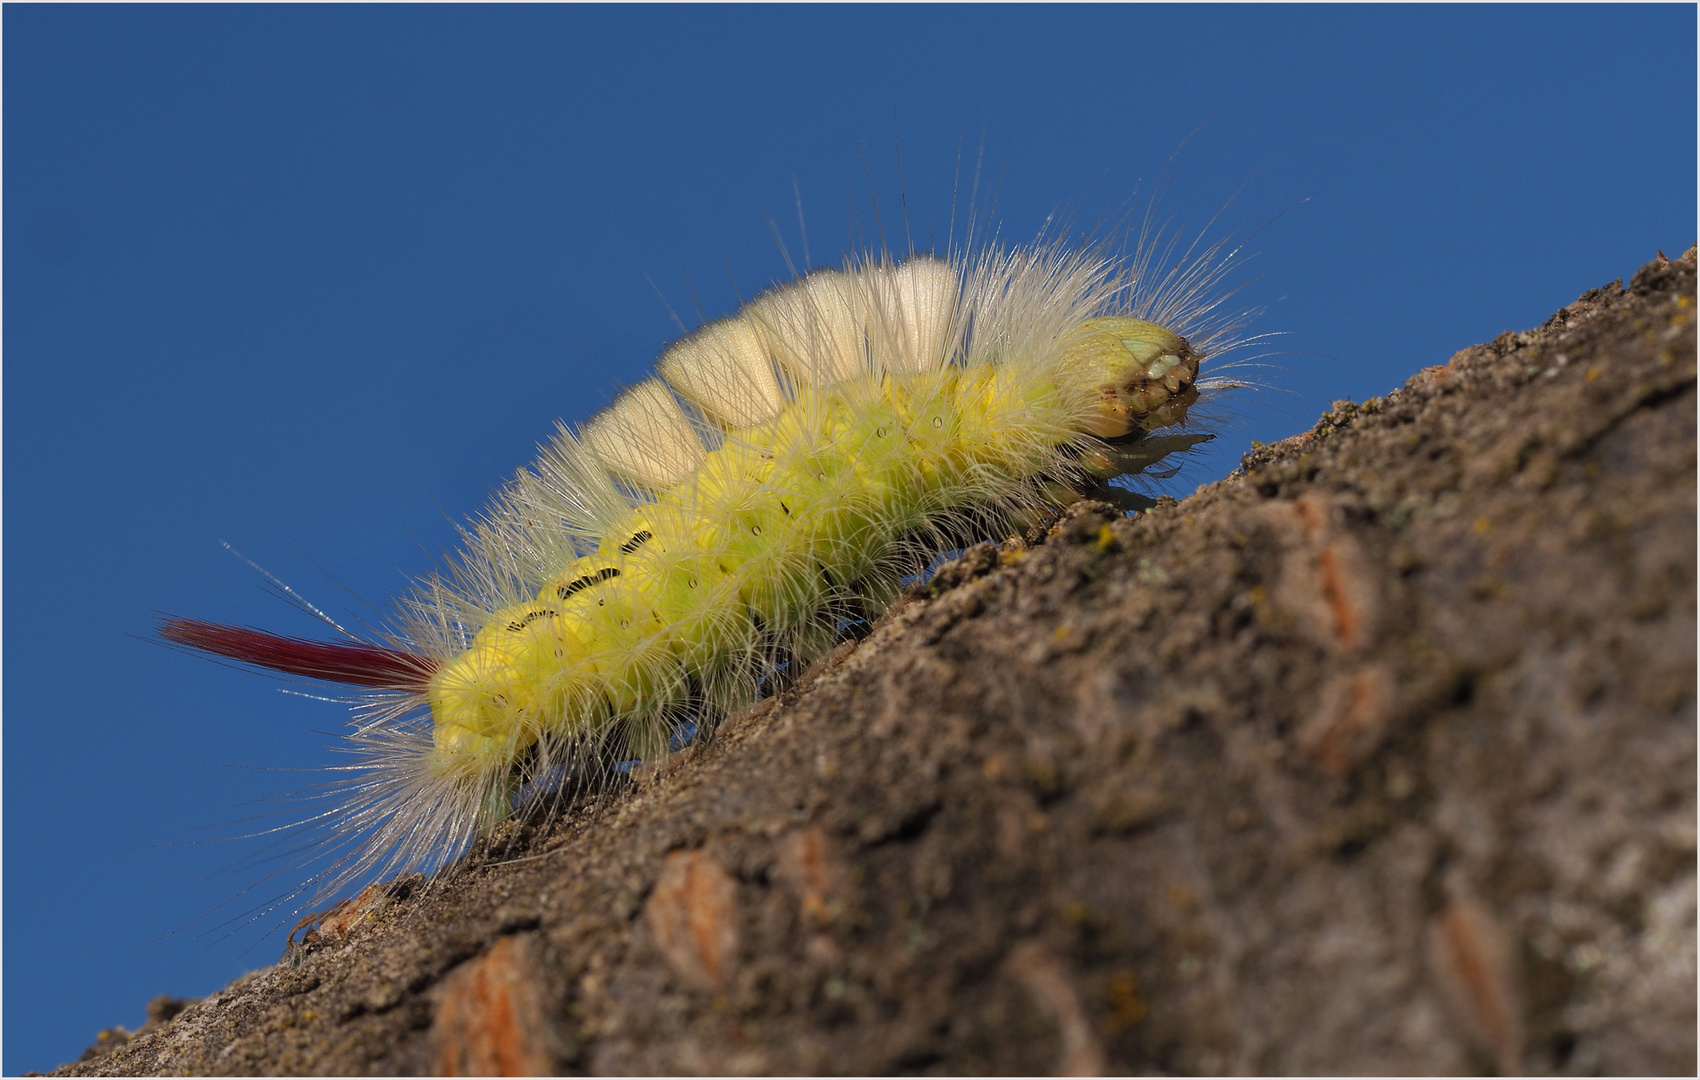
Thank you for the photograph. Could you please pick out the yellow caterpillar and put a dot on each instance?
(776, 480)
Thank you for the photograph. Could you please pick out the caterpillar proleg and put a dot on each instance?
(776, 480)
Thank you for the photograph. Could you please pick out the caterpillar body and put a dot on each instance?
(775, 481)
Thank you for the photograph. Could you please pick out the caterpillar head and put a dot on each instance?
(1132, 375)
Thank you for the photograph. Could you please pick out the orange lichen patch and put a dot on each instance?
(1127, 1006)
(1046, 981)
(335, 922)
(491, 1019)
(693, 915)
(808, 862)
(1350, 720)
(1476, 969)
(1326, 583)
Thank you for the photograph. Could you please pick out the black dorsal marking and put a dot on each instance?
(585, 582)
(635, 542)
(520, 624)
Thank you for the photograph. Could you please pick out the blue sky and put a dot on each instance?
(314, 281)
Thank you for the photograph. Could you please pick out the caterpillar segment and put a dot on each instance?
(781, 473)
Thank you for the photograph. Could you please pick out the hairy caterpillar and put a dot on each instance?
(774, 482)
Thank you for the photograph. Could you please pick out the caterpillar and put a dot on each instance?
(769, 488)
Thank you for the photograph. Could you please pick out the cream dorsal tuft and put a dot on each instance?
(912, 314)
(813, 329)
(726, 372)
(645, 438)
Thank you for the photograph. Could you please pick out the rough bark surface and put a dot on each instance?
(1376, 756)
